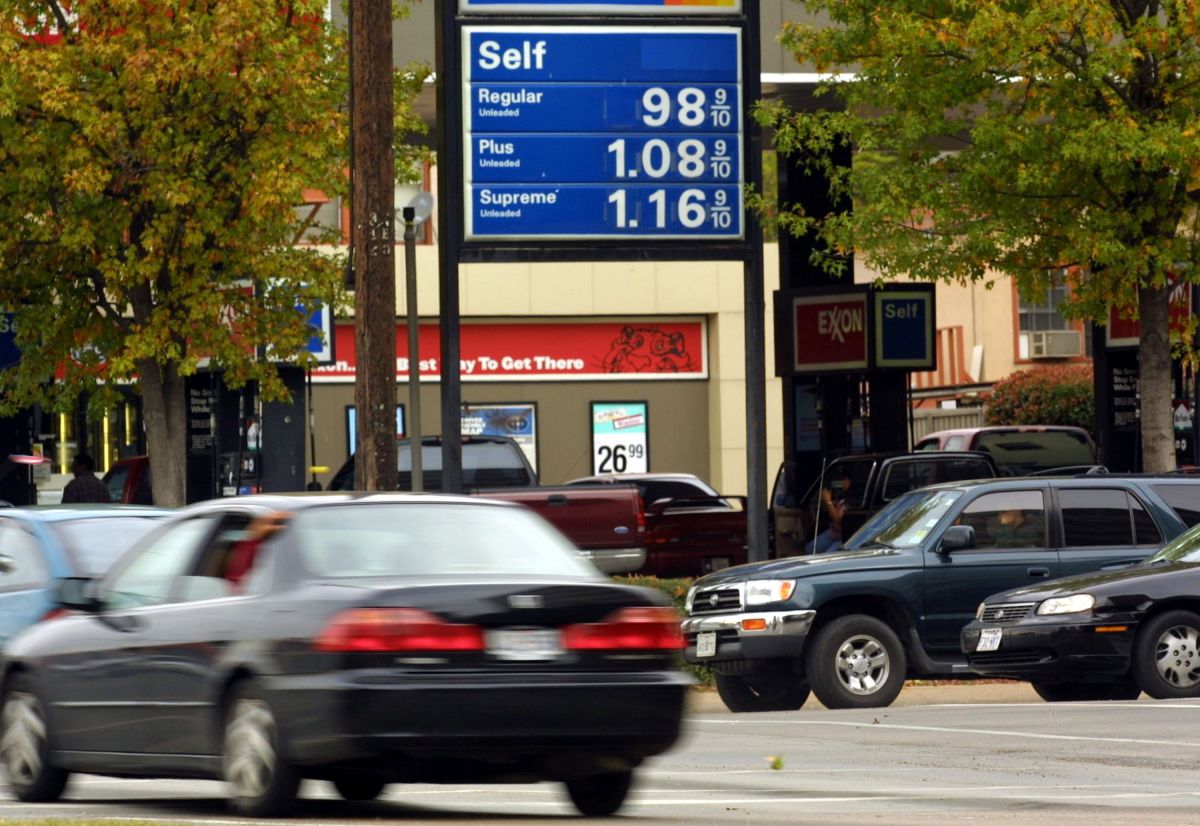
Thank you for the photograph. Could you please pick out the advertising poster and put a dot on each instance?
(352, 421)
(620, 432)
(517, 421)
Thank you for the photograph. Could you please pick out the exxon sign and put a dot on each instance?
(830, 333)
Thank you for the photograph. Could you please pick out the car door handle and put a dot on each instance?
(557, 499)
(1039, 573)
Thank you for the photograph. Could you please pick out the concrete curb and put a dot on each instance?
(706, 701)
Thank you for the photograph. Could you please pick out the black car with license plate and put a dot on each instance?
(362, 639)
(1104, 636)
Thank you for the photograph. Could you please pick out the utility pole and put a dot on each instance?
(372, 214)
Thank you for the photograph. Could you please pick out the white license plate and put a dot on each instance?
(524, 644)
(989, 639)
(706, 644)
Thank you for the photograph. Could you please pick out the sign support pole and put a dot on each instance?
(755, 310)
(450, 211)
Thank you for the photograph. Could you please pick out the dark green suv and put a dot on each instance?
(853, 625)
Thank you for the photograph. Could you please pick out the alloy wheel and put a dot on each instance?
(862, 664)
(1177, 656)
(250, 757)
(24, 736)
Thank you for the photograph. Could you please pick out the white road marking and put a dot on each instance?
(972, 731)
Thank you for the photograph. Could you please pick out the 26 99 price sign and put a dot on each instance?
(619, 432)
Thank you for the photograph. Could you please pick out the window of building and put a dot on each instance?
(1042, 331)
(1037, 315)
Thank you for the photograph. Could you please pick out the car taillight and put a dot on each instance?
(53, 613)
(379, 630)
(627, 629)
(641, 516)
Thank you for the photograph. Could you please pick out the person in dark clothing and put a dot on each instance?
(85, 487)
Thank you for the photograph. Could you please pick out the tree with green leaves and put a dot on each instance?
(1036, 139)
(152, 156)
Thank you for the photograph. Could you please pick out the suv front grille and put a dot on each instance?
(1006, 612)
(717, 601)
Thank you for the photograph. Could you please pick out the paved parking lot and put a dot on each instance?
(971, 753)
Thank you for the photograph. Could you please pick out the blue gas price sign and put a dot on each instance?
(578, 132)
(654, 7)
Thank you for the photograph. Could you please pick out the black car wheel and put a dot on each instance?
(1166, 655)
(24, 745)
(600, 795)
(356, 787)
(856, 661)
(261, 782)
(1124, 689)
(766, 693)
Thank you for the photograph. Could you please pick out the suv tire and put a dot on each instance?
(1166, 655)
(856, 661)
(761, 693)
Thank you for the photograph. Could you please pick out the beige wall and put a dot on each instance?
(696, 426)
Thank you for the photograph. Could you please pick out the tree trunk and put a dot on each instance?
(165, 416)
(1154, 379)
(373, 178)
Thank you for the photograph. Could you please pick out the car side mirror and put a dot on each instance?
(957, 538)
(78, 594)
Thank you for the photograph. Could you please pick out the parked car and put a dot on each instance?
(863, 483)
(854, 625)
(691, 530)
(1099, 636)
(363, 639)
(128, 481)
(606, 524)
(1019, 450)
(40, 546)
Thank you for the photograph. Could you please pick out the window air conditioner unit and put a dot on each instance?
(1055, 344)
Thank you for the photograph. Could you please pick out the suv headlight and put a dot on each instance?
(691, 597)
(979, 611)
(762, 591)
(1074, 604)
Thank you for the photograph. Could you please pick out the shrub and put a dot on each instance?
(1059, 394)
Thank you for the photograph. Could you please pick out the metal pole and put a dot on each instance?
(450, 212)
(373, 244)
(412, 324)
(756, 360)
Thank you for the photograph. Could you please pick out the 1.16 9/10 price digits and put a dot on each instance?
(691, 208)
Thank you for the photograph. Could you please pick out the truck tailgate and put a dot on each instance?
(600, 518)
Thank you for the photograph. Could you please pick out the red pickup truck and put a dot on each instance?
(691, 530)
(606, 524)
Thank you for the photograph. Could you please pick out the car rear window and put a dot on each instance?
(1026, 451)
(398, 540)
(95, 544)
(1183, 499)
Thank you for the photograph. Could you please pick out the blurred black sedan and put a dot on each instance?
(362, 639)
(1108, 635)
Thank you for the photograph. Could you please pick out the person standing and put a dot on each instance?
(85, 487)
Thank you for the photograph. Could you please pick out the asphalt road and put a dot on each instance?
(978, 754)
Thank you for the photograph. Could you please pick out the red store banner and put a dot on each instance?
(557, 351)
(1126, 332)
(830, 332)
